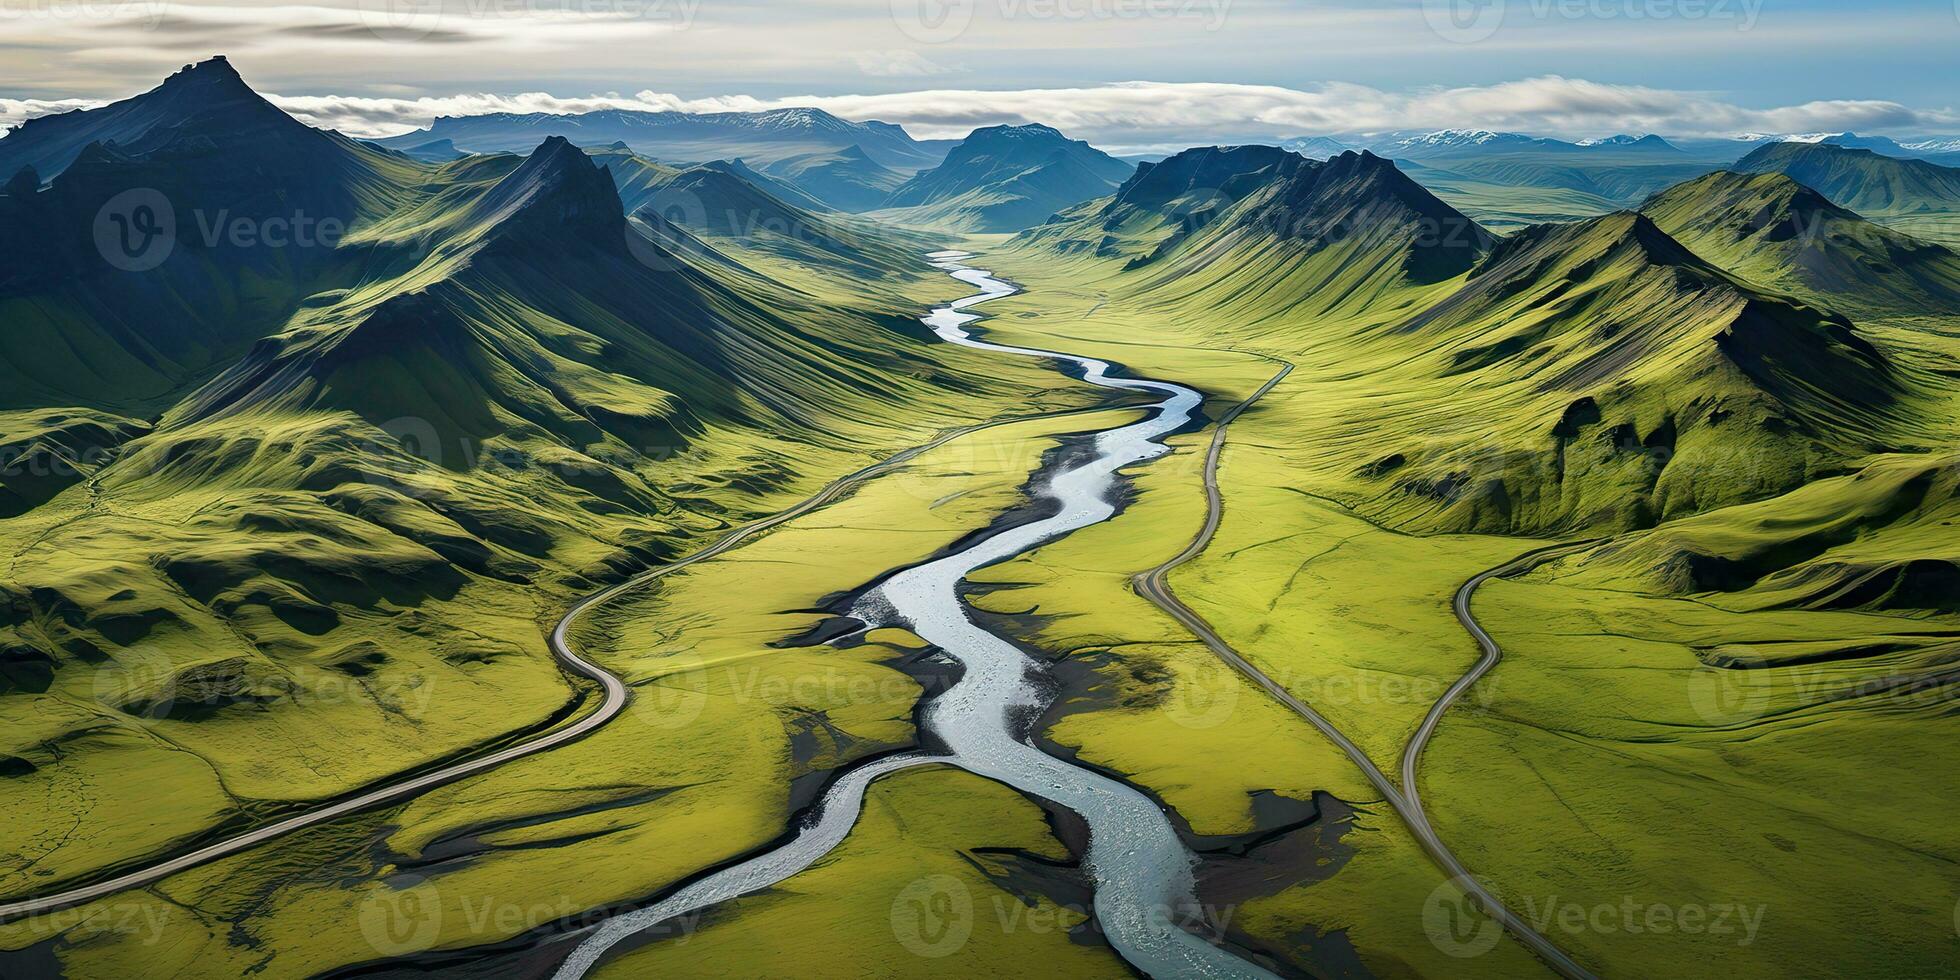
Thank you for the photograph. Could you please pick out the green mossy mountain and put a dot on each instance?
(1604, 374)
(1859, 179)
(846, 179)
(1775, 232)
(212, 158)
(1637, 383)
(680, 137)
(258, 475)
(1006, 178)
(1914, 196)
(1254, 228)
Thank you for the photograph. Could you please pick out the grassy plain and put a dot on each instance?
(944, 873)
(727, 730)
(1602, 765)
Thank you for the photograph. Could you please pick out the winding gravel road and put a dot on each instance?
(1153, 586)
(1141, 872)
(613, 702)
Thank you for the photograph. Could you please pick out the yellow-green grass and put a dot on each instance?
(1608, 766)
(698, 771)
(1190, 730)
(1942, 228)
(237, 602)
(944, 872)
(1504, 208)
(1174, 720)
(1354, 618)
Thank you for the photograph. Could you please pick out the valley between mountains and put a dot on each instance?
(981, 676)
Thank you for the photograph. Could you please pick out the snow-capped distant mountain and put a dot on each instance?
(800, 118)
(1878, 144)
(1939, 144)
(1647, 141)
(1452, 138)
(1027, 131)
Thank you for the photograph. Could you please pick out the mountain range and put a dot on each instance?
(293, 423)
(678, 137)
(260, 456)
(1915, 196)
(1599, 342)
(1006, 178)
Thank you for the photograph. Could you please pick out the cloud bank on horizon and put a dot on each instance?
(1589, 67)
(1158, 112)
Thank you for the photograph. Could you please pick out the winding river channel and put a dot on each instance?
(1141, 871)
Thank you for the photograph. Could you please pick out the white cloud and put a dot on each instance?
(13, 112)
(141, 31)
(1153, 112)
(894, 63)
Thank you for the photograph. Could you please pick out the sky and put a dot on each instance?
(1118, 72)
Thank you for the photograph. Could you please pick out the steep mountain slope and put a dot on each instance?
(1589, 375)
(1167, 200)
(1508, 181)
(1006, 178)
(728, 202)
(1283, 233)
(847, 179)
(205, 101)
(144, 265)
(547, 243)
(1634, 382)
(1915, 196)
(1775, 232)
(286, 518)
(785, 191)
(681, 137)
(1866, 182)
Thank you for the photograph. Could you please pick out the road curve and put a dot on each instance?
(1412, 808)
(1152, 585)
(614, 701)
